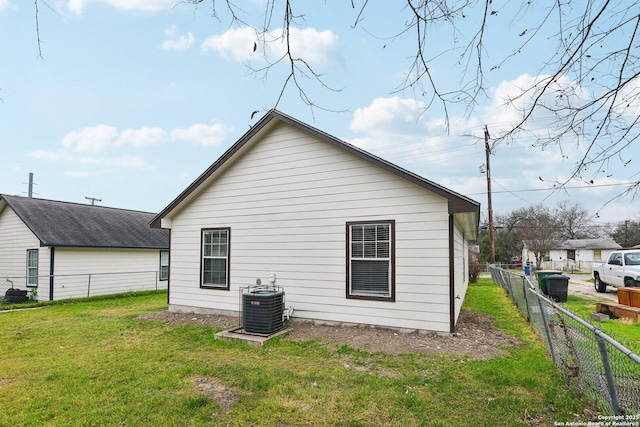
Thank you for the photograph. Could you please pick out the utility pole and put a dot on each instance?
(30, 192)
(492, 247)
(93, 200)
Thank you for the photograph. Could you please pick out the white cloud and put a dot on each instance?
(203, 134)
(49, 156)
(176, 41)
(143, 137)
(234, 44)
(628, 103)
(103, 150)
(399, 130)
(388, 116)
(511, 99)
(317, 48)
(77, 6)
(100, 139)
(91, 140)
(395, 121)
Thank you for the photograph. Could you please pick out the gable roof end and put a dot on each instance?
(468, 209)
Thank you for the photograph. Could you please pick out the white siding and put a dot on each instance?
(461, 270)
(84, 271)
(72, 266)
(287, 202)
(15, 240)
(582, 255)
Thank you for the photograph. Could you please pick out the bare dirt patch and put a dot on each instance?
(476, 337)
(215, 390)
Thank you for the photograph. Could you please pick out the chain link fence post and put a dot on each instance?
(611, 385)
(526, 299)
(545, 322)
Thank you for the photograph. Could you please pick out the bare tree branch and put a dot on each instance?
(588, 84)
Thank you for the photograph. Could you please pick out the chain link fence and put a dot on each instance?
(66, 286)
(601, 367)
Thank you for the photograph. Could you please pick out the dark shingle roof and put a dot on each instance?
(590, 244)
(64, 224)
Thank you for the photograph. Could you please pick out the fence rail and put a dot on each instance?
(84, 285)
(600, 366)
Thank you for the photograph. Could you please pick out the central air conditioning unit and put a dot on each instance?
(262, 310)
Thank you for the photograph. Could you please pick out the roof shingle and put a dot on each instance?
(64, 224)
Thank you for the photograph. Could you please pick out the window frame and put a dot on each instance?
(163, 277)
(392, 261)
(227, 258)
(597, 254)
(29, 268)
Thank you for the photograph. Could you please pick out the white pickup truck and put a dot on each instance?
(621, 269)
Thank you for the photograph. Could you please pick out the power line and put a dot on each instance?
(556, 188)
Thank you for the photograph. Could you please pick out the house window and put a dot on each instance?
(215, 258)
(164, 265)
(32, 267)
(597, 254)
(370, 265)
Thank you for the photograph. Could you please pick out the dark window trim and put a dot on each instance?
(228, 286)
(32, 285)
(392, 266)
(160, 269)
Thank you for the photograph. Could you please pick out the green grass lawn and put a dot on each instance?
(92, 363)
(628, 333)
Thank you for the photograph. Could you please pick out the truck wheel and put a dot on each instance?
(598, 284)
(630, 283)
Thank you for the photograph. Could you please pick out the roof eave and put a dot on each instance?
(457, 203)
(193, 189)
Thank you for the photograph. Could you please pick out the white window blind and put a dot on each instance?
(164, 265)
(370, 259)
(32, 267)
(215, 250)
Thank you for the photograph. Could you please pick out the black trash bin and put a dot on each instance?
(542, 279)
(15, 295)
(558, 287)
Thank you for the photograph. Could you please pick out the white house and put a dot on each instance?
(348, 236)
(575, 254)
(66, 250)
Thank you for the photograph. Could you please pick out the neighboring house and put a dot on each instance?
(576, 254)
(348, 236)
(67, 250)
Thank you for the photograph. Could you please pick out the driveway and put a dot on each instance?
(579, 286)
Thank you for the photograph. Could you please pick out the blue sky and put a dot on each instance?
(133, 99)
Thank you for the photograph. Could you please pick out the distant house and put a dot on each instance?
(348, 236)
(67, 250)
(576, 254)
